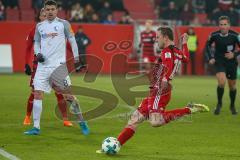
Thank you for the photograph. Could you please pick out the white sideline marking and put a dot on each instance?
(8, 155)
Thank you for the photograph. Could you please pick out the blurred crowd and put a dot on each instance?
(183, 12)
(186, 12)
(82, 11)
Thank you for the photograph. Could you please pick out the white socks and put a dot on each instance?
(37, 110)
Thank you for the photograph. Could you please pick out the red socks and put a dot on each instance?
(62, 105)
(30, 105)
(175, 114)
(168, 116)
(125, 135)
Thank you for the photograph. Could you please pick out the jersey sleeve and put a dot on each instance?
(238, 40)
(210, 41)
(167, 61)
(68, 30)
(29, 46)
(185, 53)
(71, 38)
(37, 41)
(237, 51)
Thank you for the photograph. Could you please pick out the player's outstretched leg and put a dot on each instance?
(135, 119)
(195, 108)
(75, 108)
(128, 132)
(62, 105)
(158, 119)
(27, 119)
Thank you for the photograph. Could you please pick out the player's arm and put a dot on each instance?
(29, 43)
(185, 51)
(237, 51)
(167, 62)
(210, 56)
(71, 38)
(37, 44)
(87, 40)
(140, 44)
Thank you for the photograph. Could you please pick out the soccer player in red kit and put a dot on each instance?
(153, 107)
(29, 51)
(147, 41)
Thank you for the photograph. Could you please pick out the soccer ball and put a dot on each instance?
(111, 145)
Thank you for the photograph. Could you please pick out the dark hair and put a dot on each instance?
(224, 18)
(50, 2)
(166, 31)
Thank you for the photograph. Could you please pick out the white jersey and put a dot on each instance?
(50, 40)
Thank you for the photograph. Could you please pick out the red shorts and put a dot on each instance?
(149, 59)
(154, 104)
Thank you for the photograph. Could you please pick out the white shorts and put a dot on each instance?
(50, 77)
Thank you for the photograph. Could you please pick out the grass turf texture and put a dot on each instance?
(201, 136)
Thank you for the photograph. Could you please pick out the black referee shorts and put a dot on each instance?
(230, 69)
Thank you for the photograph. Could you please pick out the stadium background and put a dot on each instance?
(19, 16)
(198, 137)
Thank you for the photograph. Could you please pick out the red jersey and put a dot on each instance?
(147, 43)
(167, 66)
(29, 48)
(163, 72)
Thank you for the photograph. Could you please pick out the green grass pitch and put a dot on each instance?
(198, 137)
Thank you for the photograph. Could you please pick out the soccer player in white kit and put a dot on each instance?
(50, 49)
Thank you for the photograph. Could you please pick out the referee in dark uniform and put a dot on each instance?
(224, 59)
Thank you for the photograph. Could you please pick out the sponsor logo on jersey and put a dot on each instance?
(49, 35)
(168, 55)
(56, 28)
(230, 48)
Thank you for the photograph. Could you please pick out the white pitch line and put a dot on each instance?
(8, 155)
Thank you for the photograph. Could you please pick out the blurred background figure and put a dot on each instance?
(88, 12)
(171, 12)
(105, 11)
(37, 4)
(225, 8)
(82, 42)
(11, 3)
(199, 6)
(146, 46)
(192, 46)
(94, 19)
(109, 20)
(77, 13)
(186, 15)
(126, 19)
(2, 11)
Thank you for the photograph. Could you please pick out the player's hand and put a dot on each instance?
(212, 61)
(40, 58)
(28, 70)
(184, 38)
(78, 66)
(138, 51)
(229, 55)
